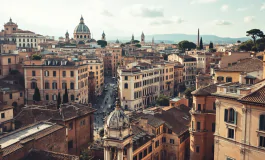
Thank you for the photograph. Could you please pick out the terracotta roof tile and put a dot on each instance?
(257, 96)
(245, 65)
(205, 91)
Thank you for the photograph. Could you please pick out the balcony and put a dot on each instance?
(192, 111)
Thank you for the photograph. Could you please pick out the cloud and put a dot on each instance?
(222, 22)
(148, 12)
(202, 1)
(224, 7)
(173, 20)
(262, 7)
(106, 13)
(241, 9)
(249, 19)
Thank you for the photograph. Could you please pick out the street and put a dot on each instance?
(103, 104)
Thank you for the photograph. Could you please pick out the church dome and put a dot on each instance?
(117, 118)
(81, 27)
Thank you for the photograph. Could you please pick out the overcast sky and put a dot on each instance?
(122, 18)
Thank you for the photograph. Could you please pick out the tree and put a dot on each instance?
(135, 41)
(36, 95)
(86, 155)
(186, 45)
(254, 34)
(59, 101)
(122, 45)
(65, 96)
(201, 44)
(238, 41)
(36, 57)
(246, 46)
(138, 45)
(102, 43)
(162, 100)
(211, 45)
(188, 94)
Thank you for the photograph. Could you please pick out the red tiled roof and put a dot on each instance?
(205, 91)
(257, 96)
(245, 65)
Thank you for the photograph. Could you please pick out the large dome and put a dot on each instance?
(81, 27)
(117, 118)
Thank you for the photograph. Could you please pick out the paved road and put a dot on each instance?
(103, 104)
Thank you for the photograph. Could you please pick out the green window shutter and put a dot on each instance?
(226, 115)
(235, 121)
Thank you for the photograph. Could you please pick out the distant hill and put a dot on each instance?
(175, 38)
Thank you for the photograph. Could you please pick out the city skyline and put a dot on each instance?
(122, 19)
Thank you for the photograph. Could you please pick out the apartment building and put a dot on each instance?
(139, 85)
(53, 75)
(247, 71)
(190, 67)
(178, 76)
(8, 62)
(240, 124)
(112, 59)
(6, 119)
(202, 127)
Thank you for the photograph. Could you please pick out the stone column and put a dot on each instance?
(107, 153)
(120, 154)
(129, 152)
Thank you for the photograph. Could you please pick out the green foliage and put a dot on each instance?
(65, 96)
(246, 46)
(102, 43)
(188, 91)
(36, 95)
(122, 45)
(238, 41)
(135, 41)
(101, 132)
(186, 45)
(254, 34)
(59, 101)
(162, 100)
(36, 57)
(138, 45)
(201, 44)
(86, 155)
(212, 50)
(211, 45)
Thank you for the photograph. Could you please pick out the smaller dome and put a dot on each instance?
(117, 118)
(93, 40)
(81, 42)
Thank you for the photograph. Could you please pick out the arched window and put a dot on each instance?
(228, 79)
(262, 122)
(230, 116)
(46, 73)
(54, 85)
(72, 85)
(64, 85)
(77, 36)
(126, 85)
(33, 85)
(47, 85)
(84, 36)
(72, 97)
(81, 36)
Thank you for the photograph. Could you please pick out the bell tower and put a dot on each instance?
(118, 144)
(103, 36)
(142, 38)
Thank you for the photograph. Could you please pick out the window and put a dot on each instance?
(199, 107)
(228, 158)
(198, 126)
(82, 123)
(220, 78)
(230, 116)
(134, 157)
(64, 85)
(262, 122)
(72, 85)
(150, 149)
(72, 73)
(145, 152)
(54, 85)
(164, 140)
(64, 73)
(47, 97)
(172, 141)
(10, 96)
(125, 85)
(197, 149)
(169, 131)
(72, 97)
(214, 106)
(126, 78)
(54, 97)
(140, 155)
(21, 94)
(33, 73)
(9, 60)
(231, 133)
(70, 144)
(157, 143)
(213, 127)
(2, 115)
(228, 79)
(70, 127)
(158, 131)
(47, 85)
(46, 73)
(33, 85)
(54, 73)
(261, 141)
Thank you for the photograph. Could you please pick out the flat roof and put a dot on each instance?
(17, 136)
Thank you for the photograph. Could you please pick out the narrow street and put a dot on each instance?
(103, 104)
